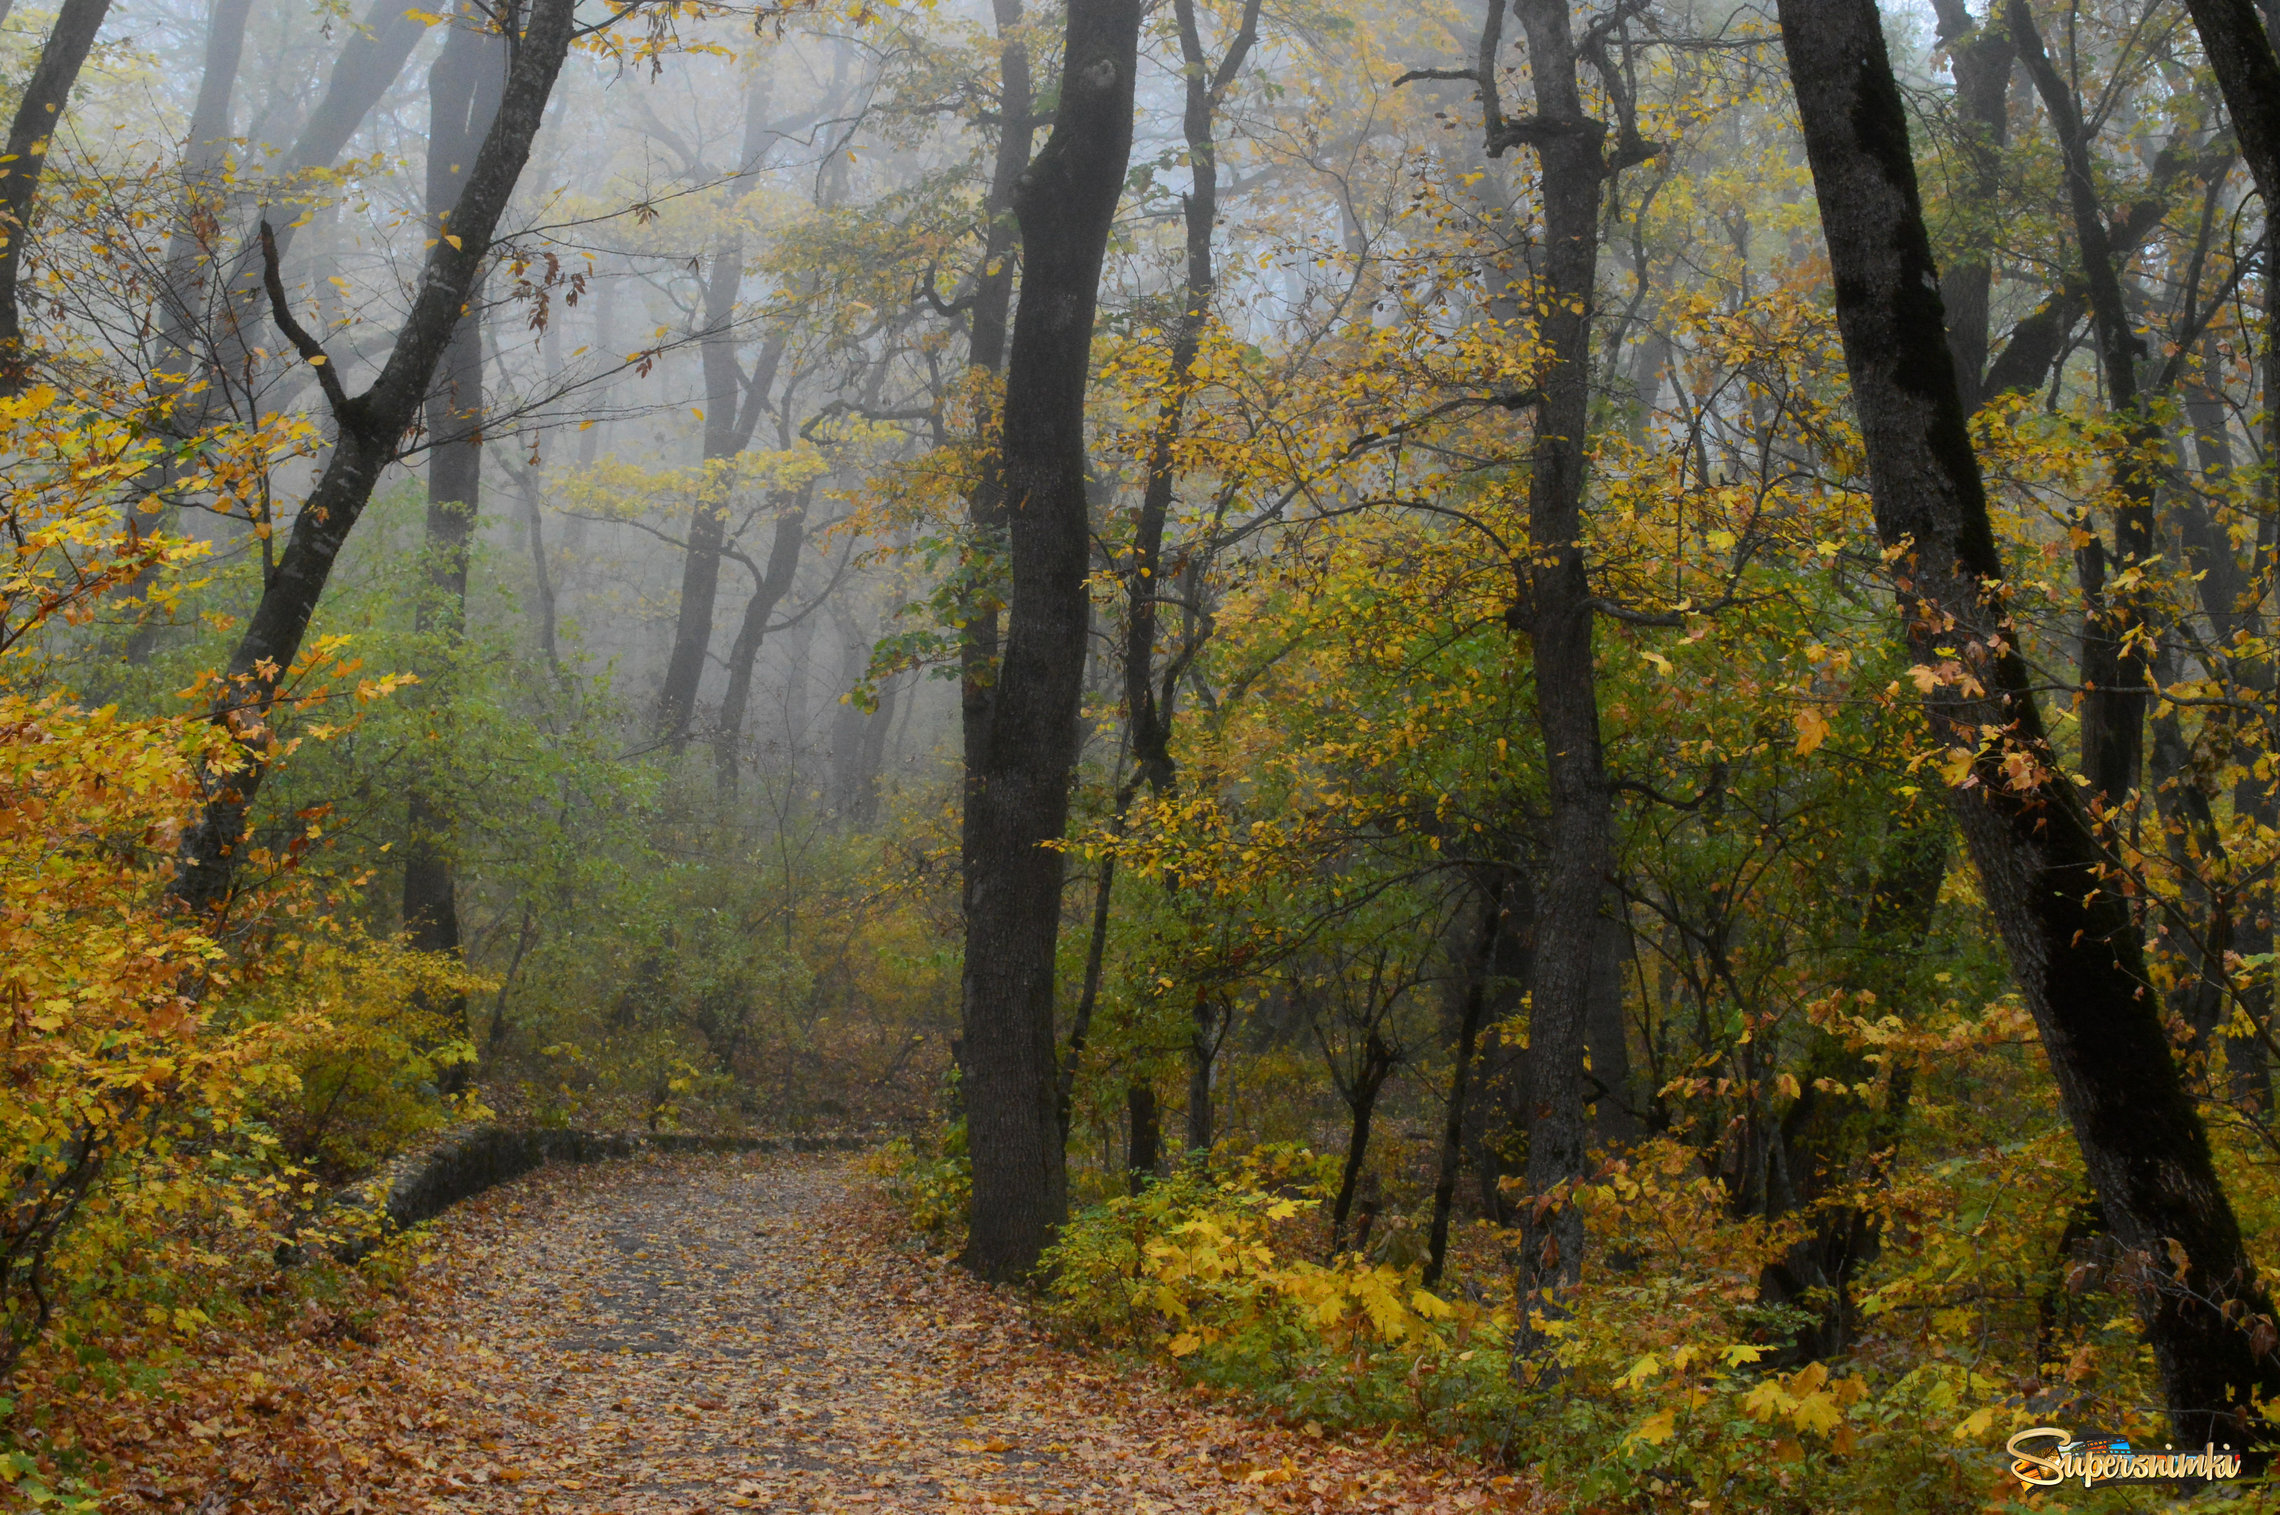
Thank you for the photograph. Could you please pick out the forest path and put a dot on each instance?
(714, 1333)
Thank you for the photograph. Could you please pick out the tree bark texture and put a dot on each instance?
(2070, 937)
(1066, 203)
(372, 427)
(1555, 594)
(989, 322)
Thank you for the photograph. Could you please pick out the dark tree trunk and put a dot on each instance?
(372, 426)
(990, 320)
(1982, 63)
(2241, 51)
(1148, 710)
(744, 654)
(1361, 1104)
(731, 412)
(374, 54)
(1066, 204)
(1203, 1055)
(1469, 1019)
(1555, 595)
(463, 97)
(2241, 54)
(182, 294)
(2072, 942)
(2115, 697)
(1145, 1134)
(38, 116)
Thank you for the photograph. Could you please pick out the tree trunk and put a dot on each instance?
(2072, 942)
(1361, 1103)
(1982, 101)
(978, 642)
(1468, 1040)
(463, 97)
(2115, 697)
(38, 115)
(744, 654)
(1556, 598)
(1066, 204)
(2241, 52)
(371, 429)
(1145, 1134)
(182, 294)
(729, 417)
(374, 54)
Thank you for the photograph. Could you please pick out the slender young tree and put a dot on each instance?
(2071, 939)
(1066, 203)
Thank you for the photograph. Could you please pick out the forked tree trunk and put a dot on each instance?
(1066, 204)
(2072, 943)
(732, 409)
(744, 653)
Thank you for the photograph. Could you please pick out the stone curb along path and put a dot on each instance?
(705, 1332)
(466, 1160)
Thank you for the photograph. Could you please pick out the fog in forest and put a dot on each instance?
(1551, 727)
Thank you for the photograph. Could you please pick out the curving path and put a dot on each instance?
(713, 1333)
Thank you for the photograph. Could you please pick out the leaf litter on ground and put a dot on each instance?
(686, 1336)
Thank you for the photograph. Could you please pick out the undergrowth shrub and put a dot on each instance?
(931, 1179)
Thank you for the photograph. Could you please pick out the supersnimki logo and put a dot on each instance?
(2048, 1456)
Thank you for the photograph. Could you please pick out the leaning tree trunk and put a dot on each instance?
(2072, 943)
(2115, 698)
(38, 116)
(375, 52)
(371, 432)
(1066, 204)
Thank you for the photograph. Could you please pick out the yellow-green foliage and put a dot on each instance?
(1211, 1274)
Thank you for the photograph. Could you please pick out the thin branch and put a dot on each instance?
(348, 411)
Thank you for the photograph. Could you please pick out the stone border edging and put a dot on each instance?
(465, 1161)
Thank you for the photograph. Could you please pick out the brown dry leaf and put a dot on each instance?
(669, 1337)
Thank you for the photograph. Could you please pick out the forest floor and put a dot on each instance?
(704, 1334)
